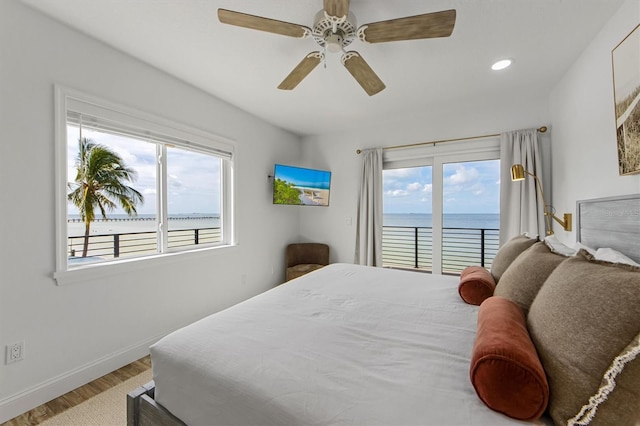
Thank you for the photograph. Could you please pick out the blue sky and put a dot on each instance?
(470, 187)
(302, 177)
(193, 179)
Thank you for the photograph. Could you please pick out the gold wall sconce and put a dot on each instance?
(519, 173)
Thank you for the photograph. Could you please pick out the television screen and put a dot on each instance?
(298, 186)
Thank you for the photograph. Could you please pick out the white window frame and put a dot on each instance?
(146, 125)
(436, 155)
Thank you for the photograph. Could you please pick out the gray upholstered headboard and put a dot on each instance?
(610, 222)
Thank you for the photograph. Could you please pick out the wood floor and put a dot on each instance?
(83, 393)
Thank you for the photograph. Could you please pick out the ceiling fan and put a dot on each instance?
(335, 28)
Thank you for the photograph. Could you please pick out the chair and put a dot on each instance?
(303, 258)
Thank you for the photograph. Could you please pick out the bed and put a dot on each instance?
(350, 344)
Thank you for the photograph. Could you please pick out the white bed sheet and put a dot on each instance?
(344, 345)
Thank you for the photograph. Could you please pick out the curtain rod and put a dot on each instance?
(542, 129)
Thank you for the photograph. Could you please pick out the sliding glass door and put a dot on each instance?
(443, 215)
(470, 213)
(407, 218)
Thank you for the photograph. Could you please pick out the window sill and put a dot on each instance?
(125, 266)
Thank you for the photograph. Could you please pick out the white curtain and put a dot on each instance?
(521, 207)
(369, 219)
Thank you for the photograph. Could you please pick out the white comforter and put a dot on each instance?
(345, 345)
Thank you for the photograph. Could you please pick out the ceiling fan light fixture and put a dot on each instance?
(333, 35)
(335, 28)
(334, 43)
(501, 64)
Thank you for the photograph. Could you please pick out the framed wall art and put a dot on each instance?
(626, 89)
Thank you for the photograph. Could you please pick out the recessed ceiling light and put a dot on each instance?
(500, 65)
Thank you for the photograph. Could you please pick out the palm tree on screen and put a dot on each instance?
(101, 184)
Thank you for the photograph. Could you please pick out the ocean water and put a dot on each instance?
(462, 241)
(122, 223)
(468, 220)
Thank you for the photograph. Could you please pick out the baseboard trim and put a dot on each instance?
(29, 399)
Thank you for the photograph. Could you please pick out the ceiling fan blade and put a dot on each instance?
(336, 8)
(301, 71)
(429, 25)
(363, 73)
(262, 24)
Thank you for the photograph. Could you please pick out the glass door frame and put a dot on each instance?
(436, 155)
(438, 197)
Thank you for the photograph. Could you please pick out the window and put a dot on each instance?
(131, 185)
(441, 206)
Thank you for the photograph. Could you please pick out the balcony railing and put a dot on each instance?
(402, 246)
(110, 246)
(411, 247)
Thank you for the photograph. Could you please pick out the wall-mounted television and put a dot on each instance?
(300, 186)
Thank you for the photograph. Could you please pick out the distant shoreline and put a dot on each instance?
(144, 223)
(125, 218)
(450, 220)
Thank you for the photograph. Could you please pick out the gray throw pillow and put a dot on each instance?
(523, 279)
(508, 253)
(586, 314)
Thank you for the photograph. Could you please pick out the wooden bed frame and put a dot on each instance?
(604, 222)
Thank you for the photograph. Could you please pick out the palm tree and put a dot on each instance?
(100, 184)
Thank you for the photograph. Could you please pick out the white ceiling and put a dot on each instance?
(244, 67)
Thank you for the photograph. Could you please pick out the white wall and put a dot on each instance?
(78, 332)
(337, 152)
(585, 162)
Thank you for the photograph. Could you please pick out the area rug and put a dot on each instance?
(108, 408)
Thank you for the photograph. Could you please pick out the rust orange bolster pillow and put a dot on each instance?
(505, 369)
(476, 284)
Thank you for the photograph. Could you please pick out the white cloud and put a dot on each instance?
(413, 187)
(401, 173)
(174, 181)
(463, 175)
(397, 193)
(419, 187)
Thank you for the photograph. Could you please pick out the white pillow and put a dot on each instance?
(557, 247)
(579, 246)
(611, 255)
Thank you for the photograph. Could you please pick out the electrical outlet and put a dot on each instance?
(15, 352)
